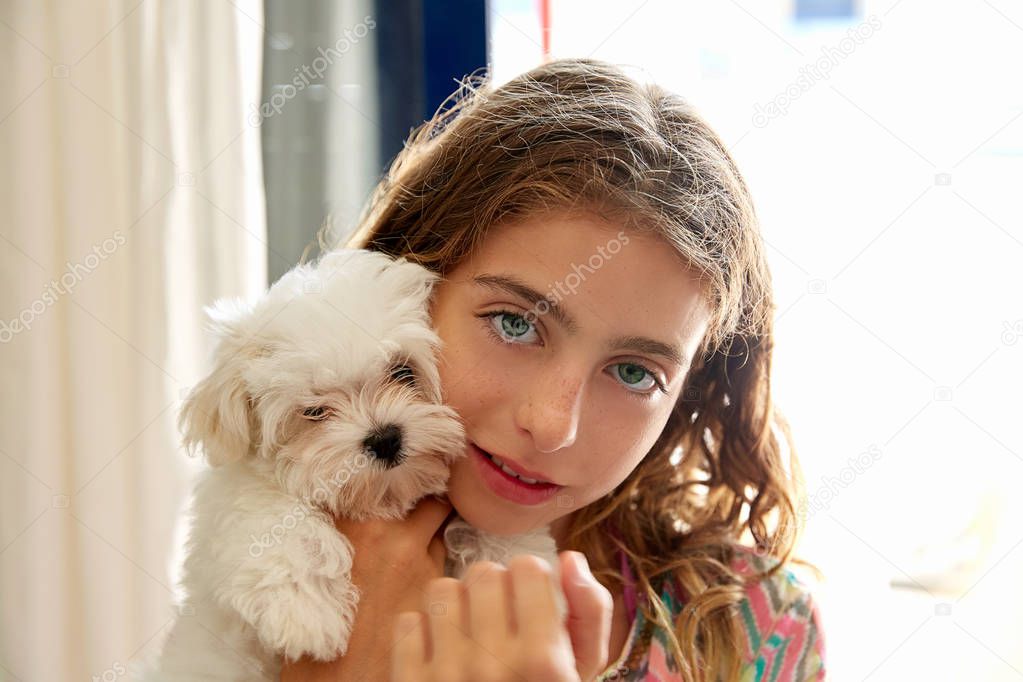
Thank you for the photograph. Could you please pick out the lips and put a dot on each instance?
(509, 486)
(513, 469)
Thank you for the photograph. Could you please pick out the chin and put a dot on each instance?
(486, 519)
(490, 514)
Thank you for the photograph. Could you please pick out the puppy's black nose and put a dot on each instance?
(385, 444)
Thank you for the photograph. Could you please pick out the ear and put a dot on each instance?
(217, 413)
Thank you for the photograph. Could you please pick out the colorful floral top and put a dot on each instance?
(784, 635)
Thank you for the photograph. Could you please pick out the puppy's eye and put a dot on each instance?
(318, 413)
(403, 374)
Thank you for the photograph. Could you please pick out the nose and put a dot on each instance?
(385, 444)
(550, 411)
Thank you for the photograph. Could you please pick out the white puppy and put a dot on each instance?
(324, 400)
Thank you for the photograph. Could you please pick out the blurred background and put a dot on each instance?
(155, 156)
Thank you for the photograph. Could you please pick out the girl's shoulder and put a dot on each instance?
(781, 622)
(784, 634)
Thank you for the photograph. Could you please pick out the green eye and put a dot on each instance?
(514, 325)
(632, 374)
(511, 326)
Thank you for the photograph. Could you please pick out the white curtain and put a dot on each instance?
(130, 196)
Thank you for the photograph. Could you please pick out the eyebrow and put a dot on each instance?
(639, 344)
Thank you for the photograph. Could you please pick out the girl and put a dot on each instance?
(606, 318)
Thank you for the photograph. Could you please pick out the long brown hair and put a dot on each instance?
(579, 133)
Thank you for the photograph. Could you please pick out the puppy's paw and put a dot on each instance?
(313, 619)
(298, 595)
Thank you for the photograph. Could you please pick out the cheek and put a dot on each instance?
(472, 372)
(618, 459)
(622, 437)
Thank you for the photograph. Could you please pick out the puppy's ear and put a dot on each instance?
(217, 414)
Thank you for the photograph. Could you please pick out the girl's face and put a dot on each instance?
(566, 341)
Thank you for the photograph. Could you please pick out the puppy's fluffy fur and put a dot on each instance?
(324, 400)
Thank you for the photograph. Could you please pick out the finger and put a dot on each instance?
(532, 588)
(488, 594)
(438, 553)
(429, 515)
(444, 614)
(408, 656)
(590, 607)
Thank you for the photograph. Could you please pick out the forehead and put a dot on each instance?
(608, 279)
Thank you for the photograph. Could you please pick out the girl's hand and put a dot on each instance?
(394, 562)
(500, 624)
